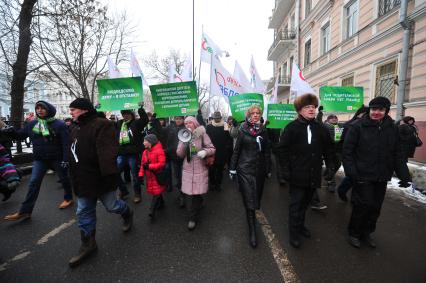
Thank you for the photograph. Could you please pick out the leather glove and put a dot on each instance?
(404, 184)
(146, 166)
(65, 164)
(202, 154)
(13, 185)
(232, 174)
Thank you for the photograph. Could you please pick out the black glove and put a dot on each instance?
(146, 166)
(321, 108)
(404, 184)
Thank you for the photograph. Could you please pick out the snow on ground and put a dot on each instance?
(409, 192)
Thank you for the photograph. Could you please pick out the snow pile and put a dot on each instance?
(409, 192)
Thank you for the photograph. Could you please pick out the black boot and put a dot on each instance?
(251, 219)
(88, 246)
(127, 220)
(153, 207)
(160, 202)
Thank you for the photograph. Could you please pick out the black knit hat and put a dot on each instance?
(151, 138)
(83, 104)
(380, 102)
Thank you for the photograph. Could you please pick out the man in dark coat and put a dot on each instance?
(335, 130)
(130, 139)
(408, 136)
(304, 144)
(50, 139)
(94, 173)
(371, 153)
(218, 132)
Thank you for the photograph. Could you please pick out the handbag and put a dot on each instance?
(418, 141)
(209, 160)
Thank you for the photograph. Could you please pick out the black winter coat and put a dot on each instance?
(252, 164)
(96, 147)
(372, 151)
(172, 140)
(407, 135)
(221, 140)
(135, 131)
(301, 162)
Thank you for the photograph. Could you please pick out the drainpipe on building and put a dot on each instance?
(402, 77)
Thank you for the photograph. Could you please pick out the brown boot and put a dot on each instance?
(17, 216)
(88, 246)
(66, 203)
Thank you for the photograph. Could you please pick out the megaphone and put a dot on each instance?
(184, 135)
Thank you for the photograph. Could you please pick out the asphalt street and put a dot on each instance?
(38, 249)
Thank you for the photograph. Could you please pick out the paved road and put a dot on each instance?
(37, 250)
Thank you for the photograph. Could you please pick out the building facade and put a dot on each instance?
(357, 43)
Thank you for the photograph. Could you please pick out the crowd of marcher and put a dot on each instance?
(95, 157)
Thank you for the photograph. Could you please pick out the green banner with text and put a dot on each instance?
(120, 93)
(175, 99)
(240, 103)
(279, 115)
(341, 98)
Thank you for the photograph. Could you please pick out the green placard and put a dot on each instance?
(175, 99)
(341, 98)
(279, 115)
(240, 103)
(120, 93)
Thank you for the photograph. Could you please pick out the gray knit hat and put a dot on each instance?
(151, 138)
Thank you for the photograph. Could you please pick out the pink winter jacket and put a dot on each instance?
(195, 174)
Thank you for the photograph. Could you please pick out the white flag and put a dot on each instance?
(298, 83)
(256, 81)
(241, 78)
(222, 83)
(209, 48)
(113, 69)
(274, 96)
(187, 70)
(136, 69)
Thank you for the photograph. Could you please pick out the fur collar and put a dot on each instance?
(219, 124)
(198, 132)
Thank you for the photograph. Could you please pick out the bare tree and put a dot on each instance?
(74, 45)
(158, 67)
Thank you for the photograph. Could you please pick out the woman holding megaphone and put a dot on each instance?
(194, 147)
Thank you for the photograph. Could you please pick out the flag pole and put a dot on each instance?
(210, 91)
(199, 67)
(193, 39)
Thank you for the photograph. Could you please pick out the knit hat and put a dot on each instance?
(331, 116)
(83, 104)
(193, 120)
(305, 100)
(151, 138)
(380, 102)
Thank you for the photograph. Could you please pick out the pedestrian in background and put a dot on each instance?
(153, 162)
(304, 144)
(195, 178)
(335, 130)
(94, 172)
(371, 153)
(218, 132)
(408, 135)
(251, 164)
(50, 139)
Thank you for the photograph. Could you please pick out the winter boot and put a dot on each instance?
(251, 219)
(88, 246)
(154, 205)
(127, 220)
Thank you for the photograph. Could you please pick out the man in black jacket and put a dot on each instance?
(129, 131)
(371, 153)
(303, 145)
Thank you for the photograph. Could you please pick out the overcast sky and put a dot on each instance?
(237, 26)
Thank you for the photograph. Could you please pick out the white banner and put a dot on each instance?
(221, 81)
(256, 81)
(241, 78)
(298, 83)
(209, 49)
(113, 71)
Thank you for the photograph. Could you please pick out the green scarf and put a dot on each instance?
(124, 133)
(41, 127)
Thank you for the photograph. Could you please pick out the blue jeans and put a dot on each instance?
(86, 210)
(132, 161)
(39, 170)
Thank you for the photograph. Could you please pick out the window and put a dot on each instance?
(308, 7)
(386, 5)
(348, 81)
(385, 80)
(325, 38)
(307, 52)
(283, 77)
(351, 18)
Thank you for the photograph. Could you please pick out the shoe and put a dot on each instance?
(305, 232)
(342, 196)
(295, 243)
(137, 199)
(88, 246)
(66, 203)
(17, 216)
(127, 220)
(318, 207)
(370, 242)
(191, 225)
(354, 241)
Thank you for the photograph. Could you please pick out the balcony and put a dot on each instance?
(284, 41)
(283, 83)
(282, 8)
